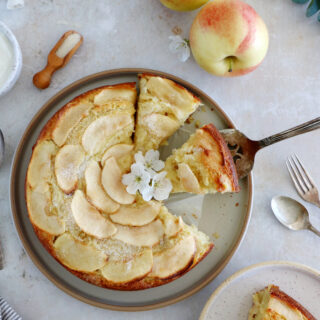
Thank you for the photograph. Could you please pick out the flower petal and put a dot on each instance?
(137, 169)
(162, 192)
(151, 172)
(132, 188)
(152, 155)
(157, 165)
(139, 158)
(128, 179)
(158, 177)
(147, 194)
(184, 53)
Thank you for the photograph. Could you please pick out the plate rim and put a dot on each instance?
(14, 210)
(242, 271)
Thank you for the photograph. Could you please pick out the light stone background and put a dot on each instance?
(284, 91)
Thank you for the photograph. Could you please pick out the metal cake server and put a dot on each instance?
(244, 150)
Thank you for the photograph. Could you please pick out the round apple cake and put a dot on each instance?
(79, 207)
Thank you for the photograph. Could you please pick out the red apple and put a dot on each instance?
(228, 38)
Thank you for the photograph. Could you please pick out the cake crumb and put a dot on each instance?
(216, 235)
(237, 204)
(195, 216)
(197, 124)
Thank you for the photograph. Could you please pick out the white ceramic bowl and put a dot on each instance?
(17, 60)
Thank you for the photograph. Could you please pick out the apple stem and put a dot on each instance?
(230, 65)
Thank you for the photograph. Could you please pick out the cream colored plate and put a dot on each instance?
(233, 298)
(223, 216)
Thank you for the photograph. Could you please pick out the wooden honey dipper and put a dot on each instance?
(58, 57)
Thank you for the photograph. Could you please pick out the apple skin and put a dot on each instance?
(228, 35)
(183, 5)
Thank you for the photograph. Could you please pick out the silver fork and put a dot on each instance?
(302, 180)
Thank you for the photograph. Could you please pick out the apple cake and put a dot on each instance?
(203, 164)
(79, 207)
(163, 107)
(273, 304)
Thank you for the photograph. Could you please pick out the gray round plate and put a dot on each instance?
(223, 217)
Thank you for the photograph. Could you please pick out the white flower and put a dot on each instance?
(150, 161)
(180, 47)
(138, 179)
(160, 188)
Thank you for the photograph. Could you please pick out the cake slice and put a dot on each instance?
(163, 107)
(273, 304)
(203, 164)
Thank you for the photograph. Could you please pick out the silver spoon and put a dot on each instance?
(1, 148)
(292, 214)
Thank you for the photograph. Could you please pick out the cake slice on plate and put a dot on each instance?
(163, 107)
(273, 304)
(203, 164)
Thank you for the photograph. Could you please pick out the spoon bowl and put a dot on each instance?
(292, 214)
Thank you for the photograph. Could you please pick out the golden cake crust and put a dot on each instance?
(227, 167)
(282, 296)
(48, 240)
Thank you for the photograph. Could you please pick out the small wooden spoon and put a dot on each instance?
(58, 57)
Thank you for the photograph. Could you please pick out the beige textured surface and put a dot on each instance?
(282, 92)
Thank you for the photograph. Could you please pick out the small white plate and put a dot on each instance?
(17, 60)
(233, 298)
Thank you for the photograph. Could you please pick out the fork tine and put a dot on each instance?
(301, 173)
(300, 179)
(294, 179)
(310, 180)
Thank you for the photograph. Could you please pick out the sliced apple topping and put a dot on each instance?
(173, 261)
(126, 271)
(77, 255)
(160, 125)
(117, 151)
(146, 236)
(172, 225)
(111, 181)
(188, 178)
(40, 167)
(101, 129)
(182, 102)
(95, 192)
(137, 216)
(39, 203)
(68, 120)
(67, 164)
(89, 219)
(113, 93)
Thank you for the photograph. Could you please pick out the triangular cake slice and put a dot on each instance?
(272, 303)
(203, 164)
(163, 107)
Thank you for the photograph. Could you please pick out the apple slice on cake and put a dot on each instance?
(203, 164)
(163, 107)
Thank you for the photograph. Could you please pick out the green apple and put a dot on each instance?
(228, 38)
(183, 5)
